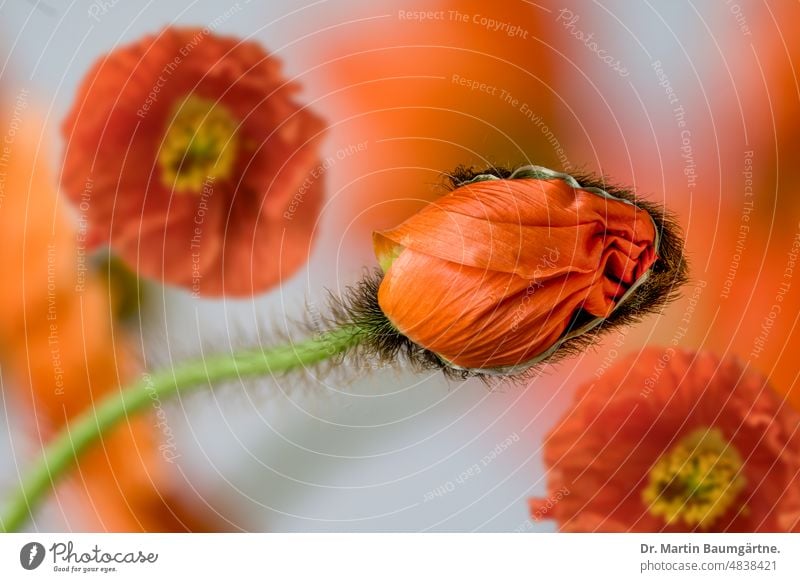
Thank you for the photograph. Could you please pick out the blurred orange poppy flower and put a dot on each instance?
(188, 155)
(424, 96)
(60, 353)
(493, 275)
(675, 441)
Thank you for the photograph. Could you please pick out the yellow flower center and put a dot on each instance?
(200, 145)
(696, 481)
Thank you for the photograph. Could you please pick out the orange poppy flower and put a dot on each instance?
(499, 273)
(675, 441)
(188, 155)
(60, 353)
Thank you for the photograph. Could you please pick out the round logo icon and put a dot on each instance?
(31, 555)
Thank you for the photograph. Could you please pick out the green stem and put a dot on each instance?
(90, 426)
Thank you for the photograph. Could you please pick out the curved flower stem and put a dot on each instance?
(90, 426)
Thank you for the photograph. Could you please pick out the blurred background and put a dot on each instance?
(694, 105)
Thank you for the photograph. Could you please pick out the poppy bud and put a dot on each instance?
(507, 268)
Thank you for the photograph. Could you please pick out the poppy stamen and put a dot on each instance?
(201, 144)
(697, 481)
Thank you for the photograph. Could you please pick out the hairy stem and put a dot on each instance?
(90, 426)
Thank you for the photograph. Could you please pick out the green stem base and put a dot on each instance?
(89, 427)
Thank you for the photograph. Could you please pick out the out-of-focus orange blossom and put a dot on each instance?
(61, 353)
(424, 96)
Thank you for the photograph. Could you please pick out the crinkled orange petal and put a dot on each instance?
(493, 274)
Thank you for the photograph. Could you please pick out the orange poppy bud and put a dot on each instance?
(497, 275)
